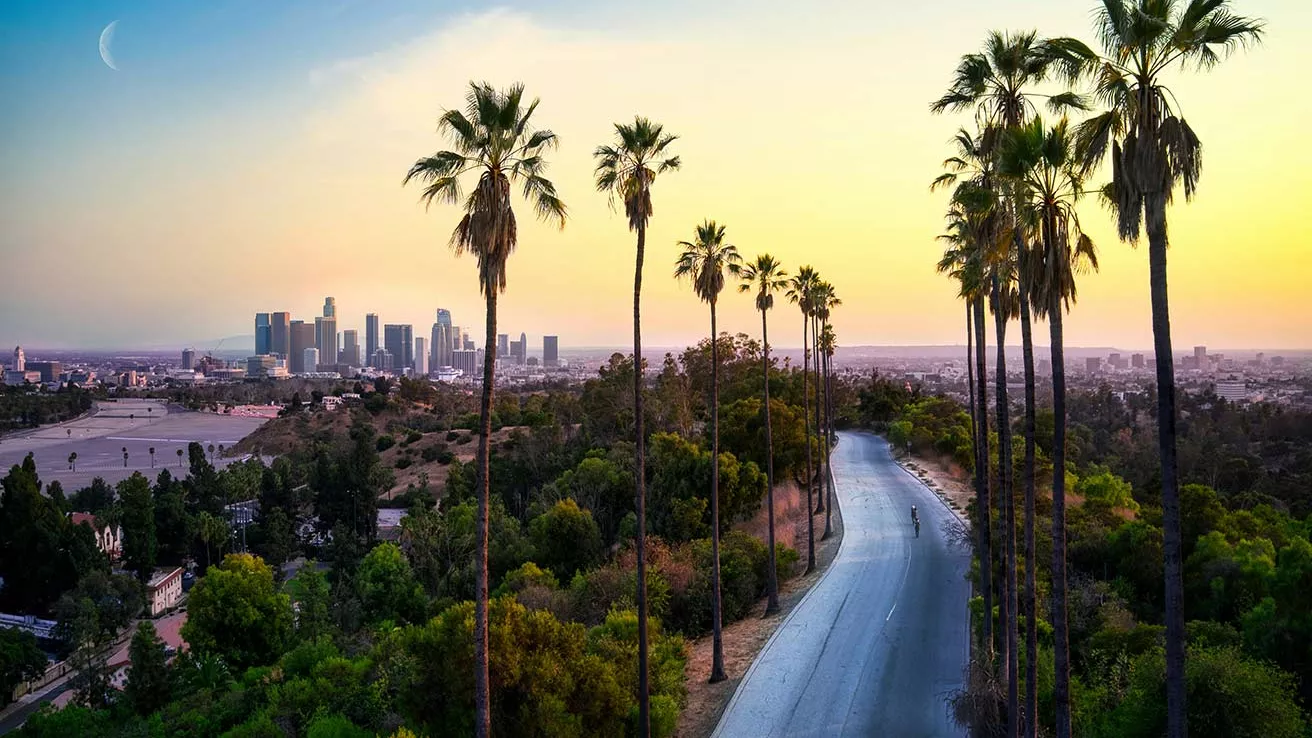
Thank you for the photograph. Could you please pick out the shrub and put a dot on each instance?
(402, 463)
(452, 435)
(413, 437)
(384, 442)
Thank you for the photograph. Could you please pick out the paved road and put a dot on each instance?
(881, 640)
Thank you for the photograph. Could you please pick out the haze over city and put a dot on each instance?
(245, 158)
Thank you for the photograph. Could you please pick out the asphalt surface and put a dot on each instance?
(100, 437)
(880, 642)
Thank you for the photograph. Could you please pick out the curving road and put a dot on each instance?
(880, 641)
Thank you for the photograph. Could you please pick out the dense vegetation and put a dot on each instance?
(378, 636)
(1248, 555)
(25, 406)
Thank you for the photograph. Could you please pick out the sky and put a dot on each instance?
(247, 156)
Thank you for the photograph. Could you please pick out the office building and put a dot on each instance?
(421, 356)
(263, 333)
(280, 332)
(399, 340)
(351, 355)
(550, 351)
(325, 338)
(329, 307)
(469, 343)
(469, 362)
(302, 337)
(1114, 361)
(512, 357)
(260, 365)
(1092, 364)
(1200, 357)
(1232, 390)
(1136, 361)
(381, 360)
(443, 340)
(371, 336)
(20, 360)
(310, 360)
(188, 359)
(50, 370)
(503, 346)
(523, 349)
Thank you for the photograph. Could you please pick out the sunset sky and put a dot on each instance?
(248, 155)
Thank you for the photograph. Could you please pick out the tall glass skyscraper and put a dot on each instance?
(371, 336)
(443, 342)
(280, 341)
(399, 340)
(263, 334)
(550, 351)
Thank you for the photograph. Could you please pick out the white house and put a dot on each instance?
(163, 590)
(109, 540)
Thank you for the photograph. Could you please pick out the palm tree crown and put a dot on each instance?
(705, 260)
(494, 138)
(995, 80)
(627, 168)
(1153, 148)
(764, 276)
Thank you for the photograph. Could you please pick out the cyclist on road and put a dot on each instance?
(915, 517)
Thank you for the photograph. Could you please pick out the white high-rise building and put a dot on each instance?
(421, 357)
(20, 359)
(311, 360)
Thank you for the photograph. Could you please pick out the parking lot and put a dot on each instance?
(136, 425)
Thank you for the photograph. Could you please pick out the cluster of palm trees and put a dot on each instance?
(1015, 241)
(497, 148)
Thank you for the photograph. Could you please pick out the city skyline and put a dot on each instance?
(317, 195)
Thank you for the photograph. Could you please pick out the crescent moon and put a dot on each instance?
(106, 38)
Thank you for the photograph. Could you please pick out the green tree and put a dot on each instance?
(494, 140)
(42, 553)
(626, 171)
(566, 539)
(175, 529)
(236, 613)
(764, 277)
(150, 682)
(138, 509)
(703, 262)
(90, 618)
(1154, 151)
(387, 586)
(313, 596)
(20, 661)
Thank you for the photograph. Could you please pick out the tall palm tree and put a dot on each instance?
(800, 292)
(826, 299)
(703, 262)
(1153, 152)
(179, 458)
(626, 170)
(828, 343)
(152, 457)
(72, 461)
(766, 276)
(972, 229)
(1043, 162)
(495, 144)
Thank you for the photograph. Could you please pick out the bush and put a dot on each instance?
(412, 437)
(452, 435)
(566, 538)
(384, 442)
(403, 463)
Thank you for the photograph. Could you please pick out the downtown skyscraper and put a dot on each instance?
(371, 337)
(263, 333)
(280, 332)
(399, 340)
(442, 343)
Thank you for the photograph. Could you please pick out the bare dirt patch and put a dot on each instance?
(744, 639)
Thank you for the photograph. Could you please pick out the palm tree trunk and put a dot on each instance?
(717, 635)
(772, 576)
(1172, 544)
(970, 379)
(829, 439)
(983, 480)
(806, 419)
(820, 456)
(482, 688)
(1061, 693)
(1031, 598)
(640, 485)
(1007, 508)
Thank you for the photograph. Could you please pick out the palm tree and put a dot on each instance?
(179, 458)
(828, 342)
(72, 461)
(1043, 162)
(972, 229)
(766, 276)
(703, 262)
(125, 457)
(152, 457)
(800, 292)
(1153, 151)
(626, 170)
(826, 299)
(494, 144)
